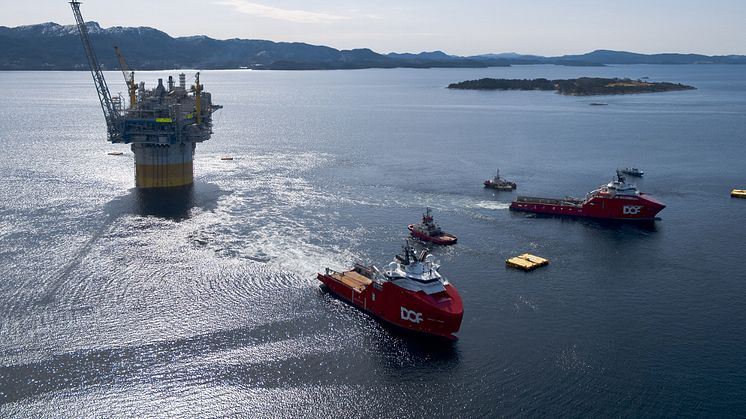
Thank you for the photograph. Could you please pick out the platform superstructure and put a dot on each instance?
(162, 124)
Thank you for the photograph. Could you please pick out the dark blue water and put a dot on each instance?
(203, 302)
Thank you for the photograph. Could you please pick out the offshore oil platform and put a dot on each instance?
(162, 124)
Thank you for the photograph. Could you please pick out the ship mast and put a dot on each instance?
(107, 105)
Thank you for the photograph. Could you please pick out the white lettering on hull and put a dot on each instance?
(631, 209)
(411, 316)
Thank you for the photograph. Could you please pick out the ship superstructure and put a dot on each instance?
(162, 124)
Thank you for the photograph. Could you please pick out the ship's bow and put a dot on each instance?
(652, 205)
(441, 313)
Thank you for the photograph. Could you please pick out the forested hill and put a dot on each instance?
(584, 86)
(49, 46)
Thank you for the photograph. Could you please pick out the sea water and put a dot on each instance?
(203, 301)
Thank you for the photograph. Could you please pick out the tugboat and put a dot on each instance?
(616, 200)
(499, 183)
(409, 293)
(429, 231)
(632, 171)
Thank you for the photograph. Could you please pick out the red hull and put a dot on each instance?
(642, 207)
(437, 314)
(444, 239)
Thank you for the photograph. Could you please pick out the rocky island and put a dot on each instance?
(584, 86)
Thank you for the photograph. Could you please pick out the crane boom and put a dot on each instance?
(129, 80)
(107, 105)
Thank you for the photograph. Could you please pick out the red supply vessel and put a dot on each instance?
(428, 230)
(616, 200)
(409, 293)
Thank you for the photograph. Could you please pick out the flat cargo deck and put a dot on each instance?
(353, 280)
(738, 193)
(575, 202)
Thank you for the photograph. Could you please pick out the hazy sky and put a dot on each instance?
(546, 27)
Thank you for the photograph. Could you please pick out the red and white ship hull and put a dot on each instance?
(443, 239)
(641, 208)
(616, 200)
(437, 314)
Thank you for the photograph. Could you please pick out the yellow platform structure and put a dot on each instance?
(738, 193)
(526, 262)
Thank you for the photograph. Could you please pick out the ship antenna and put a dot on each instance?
(405, 248)
(427, 217)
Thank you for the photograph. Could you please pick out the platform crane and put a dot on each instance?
(111, 115)
(129, 77)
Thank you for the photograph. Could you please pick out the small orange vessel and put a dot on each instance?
(429, 231)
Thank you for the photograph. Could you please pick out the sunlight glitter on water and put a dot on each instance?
(123, 303)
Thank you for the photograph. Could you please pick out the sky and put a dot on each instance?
(466, 27)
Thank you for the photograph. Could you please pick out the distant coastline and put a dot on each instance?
(584, 86)
(50, 46)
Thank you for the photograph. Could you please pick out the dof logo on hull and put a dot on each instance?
(411, 316)
(631, 209)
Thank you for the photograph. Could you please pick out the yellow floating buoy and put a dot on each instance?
(526, 262)
(226, 158)
(115, 153)
(738, 193)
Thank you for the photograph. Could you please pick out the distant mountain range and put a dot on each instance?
(49, 46)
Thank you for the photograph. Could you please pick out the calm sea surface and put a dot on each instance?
(204, 303)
